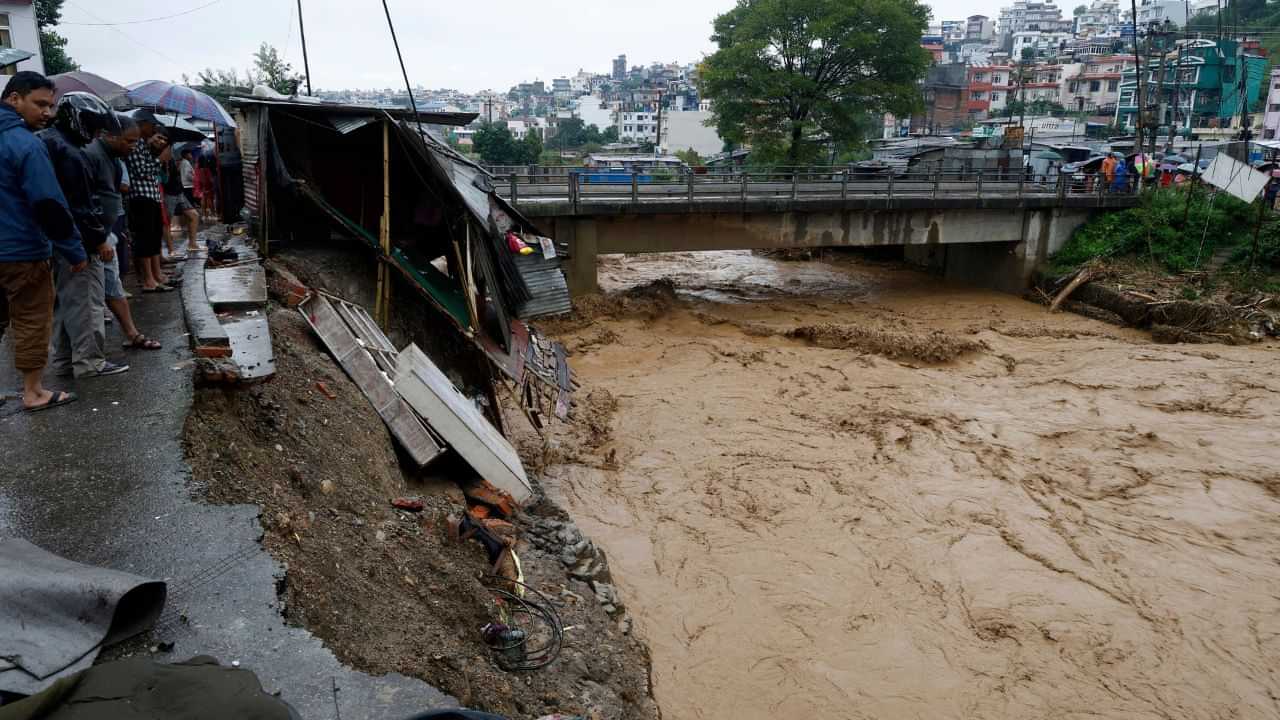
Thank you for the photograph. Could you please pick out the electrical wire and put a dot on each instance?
(124, 34)
(538, 657)
(148, 20)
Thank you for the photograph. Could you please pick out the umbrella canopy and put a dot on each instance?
(78, 81)
(9, 56)
(1179, 159)
(1046, 155)
(179, 99)
(1187, 168)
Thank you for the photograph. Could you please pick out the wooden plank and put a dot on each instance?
(201, 320)
(242, 286)
(405, 426)
(251, 347)
(456, 419)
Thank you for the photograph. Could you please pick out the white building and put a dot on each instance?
(1156, 12)
(638, 126)
(18, 30)
(689, 130)
(1101, 16)
(1026, 15)
(1271, 111)
(595, 111)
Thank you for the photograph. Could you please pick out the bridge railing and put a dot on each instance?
(583, 186)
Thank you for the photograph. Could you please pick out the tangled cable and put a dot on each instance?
(509, 638)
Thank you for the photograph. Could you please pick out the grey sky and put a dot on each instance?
(468, 45)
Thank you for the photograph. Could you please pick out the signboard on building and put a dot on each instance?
(1013, 137)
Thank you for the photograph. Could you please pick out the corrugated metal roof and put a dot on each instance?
(549, 293)
(329, 108)
(350, 123)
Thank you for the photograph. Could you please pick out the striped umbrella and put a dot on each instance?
(179, 99)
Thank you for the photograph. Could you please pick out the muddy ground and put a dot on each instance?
(390, 590)
(836, 490)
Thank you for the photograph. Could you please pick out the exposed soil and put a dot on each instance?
(389, 590)
(1071, 522)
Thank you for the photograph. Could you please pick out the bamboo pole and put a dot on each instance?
(382, 306)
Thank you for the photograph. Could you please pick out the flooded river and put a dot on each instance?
(1065, 520)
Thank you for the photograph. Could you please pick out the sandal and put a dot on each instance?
(59, 397)
(158, 289)
(140, 342)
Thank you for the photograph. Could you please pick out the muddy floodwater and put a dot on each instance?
(842, 490)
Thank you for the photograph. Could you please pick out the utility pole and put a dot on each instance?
(1138, 95)
(657, 147)
(1177, 99)
(306, 64)
(1242, 69)
(1160, 94)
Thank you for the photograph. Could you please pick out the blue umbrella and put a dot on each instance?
(179, 99)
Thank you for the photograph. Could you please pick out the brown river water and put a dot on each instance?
(1066, 521)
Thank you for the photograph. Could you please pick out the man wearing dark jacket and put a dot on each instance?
(34, 221)
(77, 346)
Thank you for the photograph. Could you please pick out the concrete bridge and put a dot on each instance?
(990, 231)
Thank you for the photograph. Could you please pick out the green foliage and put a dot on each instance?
(609, 135)
(1080, 10)
(496, 146)
(646, 147)
(53, 47)
(1155, 230)
(1035, 107)
(690, 157)
(573, 133)
(220, 84)
(793, 75)
(274, 72)
(1267, 256)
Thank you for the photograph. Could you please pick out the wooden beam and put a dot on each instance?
(382, 303)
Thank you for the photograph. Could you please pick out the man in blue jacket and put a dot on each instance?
(34, 221)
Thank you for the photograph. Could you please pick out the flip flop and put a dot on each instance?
(158, 289)
(140, 342)
(59, 397)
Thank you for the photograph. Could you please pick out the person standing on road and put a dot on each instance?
(34, 221)
(175, 196)
(78, 343)
(104, 163)
(146, 224)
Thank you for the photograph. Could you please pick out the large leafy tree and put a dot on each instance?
(792, 76)
(53, 47)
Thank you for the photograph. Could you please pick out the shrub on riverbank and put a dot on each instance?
(1155, 231)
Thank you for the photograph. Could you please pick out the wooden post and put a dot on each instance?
(382, 306)
(844, 184)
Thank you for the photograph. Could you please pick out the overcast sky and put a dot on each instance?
(469, 45)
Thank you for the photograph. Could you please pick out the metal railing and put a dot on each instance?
(580, 186)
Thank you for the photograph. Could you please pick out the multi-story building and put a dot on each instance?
(1038, 43)
(638, 125)
(953, 31)
(1096, 88)
(620, 67)
(1271, 113)
(1158, 12)
(1200, 88)
(979, 28)
(1026, 15)
(946, 89)
(18, 30)
(1100, 19)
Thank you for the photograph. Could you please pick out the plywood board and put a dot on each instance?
(456, 419)
(236, 287)
(405, 426)
(1228, 174)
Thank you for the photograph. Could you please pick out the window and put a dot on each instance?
(1094, 86)
(6, 41)
(1112, 85)
(995, 97)
(1273, 107)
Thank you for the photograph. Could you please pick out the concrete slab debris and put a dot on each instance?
(206, 331)
(236, 287)
(251, 348)
(460, 423)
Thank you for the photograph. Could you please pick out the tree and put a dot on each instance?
(53, 47)
(690, 157)
(274, 72)
(1080, 10)
(220, 84)
(494, 144)
(610, 135)
(531, 148)
(791, 75)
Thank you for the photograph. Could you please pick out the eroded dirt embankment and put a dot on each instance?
(1050, 517)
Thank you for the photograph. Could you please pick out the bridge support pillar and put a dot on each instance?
(1008, 266)
(580, 271)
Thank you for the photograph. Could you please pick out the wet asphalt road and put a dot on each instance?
(103, 481)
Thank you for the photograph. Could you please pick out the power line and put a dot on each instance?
(129, 37)
(143, 22)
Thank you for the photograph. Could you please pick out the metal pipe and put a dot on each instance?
(306, 64)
